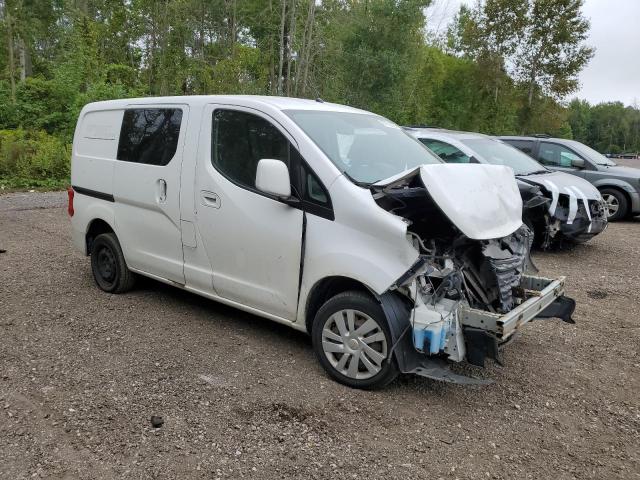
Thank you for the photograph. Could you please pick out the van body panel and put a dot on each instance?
(94, 150)
(197, 267)
(364, 242)
(253, 242)
(150, 229)
(147, 210)
(198, 272)
(87, 210)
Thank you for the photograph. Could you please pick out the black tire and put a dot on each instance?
(622, 202)
(109, 268)
(364, 308)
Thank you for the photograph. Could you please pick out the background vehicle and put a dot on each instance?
(325, 218)
(620, 186)
(556, 206)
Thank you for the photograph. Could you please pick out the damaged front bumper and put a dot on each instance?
(568, 214)
(468, 334)
(484, 331)
(584, 227)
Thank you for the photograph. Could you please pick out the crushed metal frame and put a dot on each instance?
(539, 292)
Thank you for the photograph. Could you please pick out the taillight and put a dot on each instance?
(70, 192)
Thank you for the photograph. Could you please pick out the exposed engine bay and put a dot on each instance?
(461, 288)
(453, 266)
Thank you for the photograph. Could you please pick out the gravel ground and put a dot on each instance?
(82, 372)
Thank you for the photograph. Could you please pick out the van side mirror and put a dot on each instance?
(272, 177)
(577, 162)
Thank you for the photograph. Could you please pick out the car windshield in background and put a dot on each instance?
(367, 148)
(590, 153)
(498, 153)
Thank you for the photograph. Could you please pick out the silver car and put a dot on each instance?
(619, 185)
(556, 206)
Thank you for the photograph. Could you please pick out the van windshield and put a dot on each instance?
(367, 148)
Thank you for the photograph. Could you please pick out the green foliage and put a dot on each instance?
(504, 68)
(243, 73)
(376, 56)
(33, 158)
(607, 127)
(579, 118)
(539, 44)
(41, 105)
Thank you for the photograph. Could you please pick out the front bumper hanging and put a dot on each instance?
(538, 294)
(484, 332)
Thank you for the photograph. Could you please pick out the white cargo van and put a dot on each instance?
(323, 217)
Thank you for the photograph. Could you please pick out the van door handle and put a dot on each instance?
(209, 199)
(162, 190)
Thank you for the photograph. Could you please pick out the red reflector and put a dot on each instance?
(70, 192)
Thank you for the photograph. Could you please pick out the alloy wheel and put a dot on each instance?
(612, 204)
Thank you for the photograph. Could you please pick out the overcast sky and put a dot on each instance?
(614, 71)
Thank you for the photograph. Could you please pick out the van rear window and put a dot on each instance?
(149, 135)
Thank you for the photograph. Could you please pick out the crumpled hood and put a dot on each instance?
(483, 201)
(561, 182)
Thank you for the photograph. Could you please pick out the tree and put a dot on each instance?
(551, 52)
(579, 119)
(538, 43)
(489, 35)
(370, 58)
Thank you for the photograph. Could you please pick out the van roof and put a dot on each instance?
(279, 103)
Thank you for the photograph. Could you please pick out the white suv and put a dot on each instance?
(326, 218)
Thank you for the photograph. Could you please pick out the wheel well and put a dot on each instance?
(326, 289)
(618, 189)
(97, 227)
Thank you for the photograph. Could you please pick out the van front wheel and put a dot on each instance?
(109, 268)
(352, 341)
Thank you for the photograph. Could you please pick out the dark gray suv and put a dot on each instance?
(620, 186)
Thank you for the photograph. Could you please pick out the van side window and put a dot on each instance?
(314, 191)
(311, 188)
(240, 140)
(315, 197)
(149, 135)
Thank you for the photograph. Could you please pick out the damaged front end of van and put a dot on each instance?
(470, 290)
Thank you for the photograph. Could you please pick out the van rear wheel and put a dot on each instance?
(109, 268)
(352, 341)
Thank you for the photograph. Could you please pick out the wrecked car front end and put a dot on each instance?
(573, 210)
(469, 292)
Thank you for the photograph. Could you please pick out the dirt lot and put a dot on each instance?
(82, 372)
